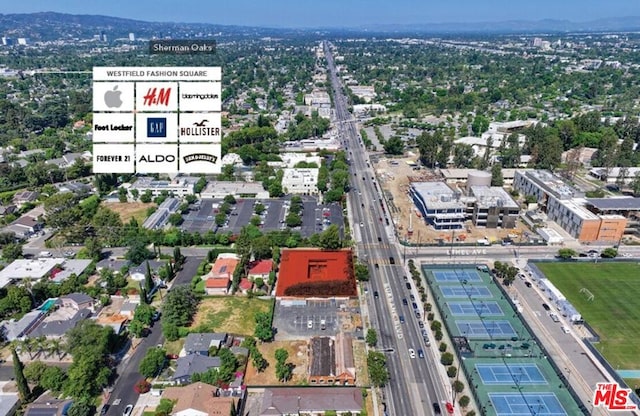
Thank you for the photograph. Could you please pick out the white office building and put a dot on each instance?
(300, 181)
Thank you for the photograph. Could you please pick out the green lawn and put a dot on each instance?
(232, 314)
(615, 311)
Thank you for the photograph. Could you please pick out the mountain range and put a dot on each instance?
(52, 26)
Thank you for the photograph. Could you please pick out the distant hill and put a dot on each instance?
(53, 26)
(618, 24)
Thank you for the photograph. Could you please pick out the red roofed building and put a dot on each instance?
(245, 285)
(261, 269)
(224, 266)
(217, 286)
(320, 273)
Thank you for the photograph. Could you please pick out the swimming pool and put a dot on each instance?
(48, 304)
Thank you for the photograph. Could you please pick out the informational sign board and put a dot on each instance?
(157, 120)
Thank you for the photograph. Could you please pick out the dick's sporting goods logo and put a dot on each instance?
(613, 398)
(200, 157)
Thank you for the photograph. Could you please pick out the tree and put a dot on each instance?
(394, 146)
(21, 380)
(293, 220)
(81, 408)
(609, 253)
(258, 360)
(480, 125)
(138, 252)
(377, 366)
(179, 306)
(12, 251)
(330, 238)
(458, 386)
(496, 175)
(264, 329)
(53, 379)
(446, 359)
(144, 314)
(566, 253)
(136, 328)
(164, 408)
(371, 337)
(153, 362)
(464, 401)
(361, 272)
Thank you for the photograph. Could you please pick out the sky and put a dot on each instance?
(334, 13)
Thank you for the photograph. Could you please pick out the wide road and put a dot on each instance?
(414, 383)
(123, 392)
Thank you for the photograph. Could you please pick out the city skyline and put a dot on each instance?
(333, 13)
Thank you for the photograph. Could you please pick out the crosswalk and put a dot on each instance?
(375, 245)
(381, 260)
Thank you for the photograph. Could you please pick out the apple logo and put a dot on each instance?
(112, 98)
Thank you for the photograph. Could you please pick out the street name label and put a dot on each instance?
(157, 120)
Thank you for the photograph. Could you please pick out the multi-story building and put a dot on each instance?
(440, 206)
(567, 207)
(301, 181)
(492, 207)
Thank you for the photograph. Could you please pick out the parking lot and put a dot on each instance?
(315, 218)
(297, 319)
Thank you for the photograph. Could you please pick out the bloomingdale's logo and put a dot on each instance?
(200, 157)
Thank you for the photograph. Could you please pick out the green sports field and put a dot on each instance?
(615, 310)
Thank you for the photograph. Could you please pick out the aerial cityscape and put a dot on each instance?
(292, 214)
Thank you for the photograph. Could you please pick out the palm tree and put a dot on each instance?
(28, 344)
(40, 344)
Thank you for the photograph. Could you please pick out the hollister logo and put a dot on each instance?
(200, 157)
(613, 398)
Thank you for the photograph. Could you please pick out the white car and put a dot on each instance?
(127, 410)
(309, 324)
(362, 224)
(412, 353)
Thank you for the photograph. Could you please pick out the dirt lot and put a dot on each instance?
(395, 179)
(231, 314)
(297, 356)
(128, 210)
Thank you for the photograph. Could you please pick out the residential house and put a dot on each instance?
(113, 264)
(261, 269)
(24, 227)
(58, 323)
(139, 273)
(13, 329)
(223, 267)
(77, 188)
(23, 197)
(245, 285)
(77, 301)
(201, 343)
(67, 160)
(47, 405)
(8, 209)
(198, 399)
(285, 401)
(192, 364)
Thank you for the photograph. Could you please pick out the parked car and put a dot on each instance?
(127, 410)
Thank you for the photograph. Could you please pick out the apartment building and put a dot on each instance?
(301, 181)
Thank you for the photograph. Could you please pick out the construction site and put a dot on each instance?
(396, 176)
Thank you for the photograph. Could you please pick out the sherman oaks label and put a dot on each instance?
(157, 119)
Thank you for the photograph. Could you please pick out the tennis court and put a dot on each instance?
(475, 308)
(456, 276)
(516, 404)
(486, 329)
(465, 292)
(517, 374)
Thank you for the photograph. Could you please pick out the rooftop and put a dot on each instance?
(576, 206)
(200, 397)
(261, 267)
(294, 400)
(437, 195)
(322, 362)
(196, 342)
(315, 272)
(224, 267)
(553, 183)
(615, 204)
(194, 363)
(492, 196)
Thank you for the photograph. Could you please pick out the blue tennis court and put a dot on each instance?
(456, 276)
(475, 308)
(516, 404)
(511, 374)
(465, 292)
(486, 329)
